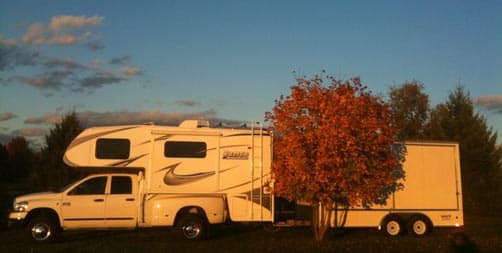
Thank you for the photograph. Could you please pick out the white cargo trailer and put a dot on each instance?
(431, 197)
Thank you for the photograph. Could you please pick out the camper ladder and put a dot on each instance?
(256, 196)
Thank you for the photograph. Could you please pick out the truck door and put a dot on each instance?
(84, 205)
(121, 207)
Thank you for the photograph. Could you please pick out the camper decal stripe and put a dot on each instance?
(79, 141)
(126, 162)
(245, 183)
(171, 178)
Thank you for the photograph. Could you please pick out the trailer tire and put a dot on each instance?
(393, 225)
(43, 229)
(191, 227)
(419, 225)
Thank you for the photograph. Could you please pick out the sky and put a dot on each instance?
(121, 62)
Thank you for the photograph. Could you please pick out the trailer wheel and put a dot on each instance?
(192, 227)
(419, 225)
(392, 225)
(43, 229)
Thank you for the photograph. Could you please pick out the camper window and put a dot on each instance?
(185, 149)
(112, 148)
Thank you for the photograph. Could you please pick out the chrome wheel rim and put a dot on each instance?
(191, 231)
(41, 231)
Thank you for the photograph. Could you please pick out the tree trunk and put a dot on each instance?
(320, 220)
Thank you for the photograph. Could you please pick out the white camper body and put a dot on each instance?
(187, 176)
(188, 161)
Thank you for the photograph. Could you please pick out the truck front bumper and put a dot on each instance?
(16, 218)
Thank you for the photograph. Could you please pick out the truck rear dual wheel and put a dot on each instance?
(192, 227)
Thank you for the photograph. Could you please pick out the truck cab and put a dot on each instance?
(97, 201)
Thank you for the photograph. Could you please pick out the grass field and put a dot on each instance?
(481, 234)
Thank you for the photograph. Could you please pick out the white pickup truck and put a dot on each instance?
(188, 177)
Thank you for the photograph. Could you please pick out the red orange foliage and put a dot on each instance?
(332, 144)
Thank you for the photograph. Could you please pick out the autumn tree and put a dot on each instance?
(51, 172)
(480, 157)
(410, 109)
(332, 147)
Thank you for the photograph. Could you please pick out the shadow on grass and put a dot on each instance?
(461, 243)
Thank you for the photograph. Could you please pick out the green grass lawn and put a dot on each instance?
(481, 234)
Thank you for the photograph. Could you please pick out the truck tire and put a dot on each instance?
(419, 225)
(192, 227)
(392, 225)
(43, 229)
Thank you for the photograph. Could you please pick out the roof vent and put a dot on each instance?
(194, 123)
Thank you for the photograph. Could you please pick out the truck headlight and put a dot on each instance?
(20, 206)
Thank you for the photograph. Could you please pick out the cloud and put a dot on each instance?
(48, 80)
(94, 45)
(490, 103)
(7, 42)
(63, 62)
(13, 55)
(99, 80)
(56, 73)
(128, 71)
(92, 118)
(62, 30)
(187, 102)
(79, 77)
(30, 132)
(36, 34)
(7, 116)
(120, 60)
(52, 118)
(63, 22)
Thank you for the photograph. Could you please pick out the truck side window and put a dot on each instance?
(93, 186)
(113, 148)
(185, 149)
(121, 185)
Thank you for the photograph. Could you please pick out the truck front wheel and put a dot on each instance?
(42, 229)
(192, 227)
